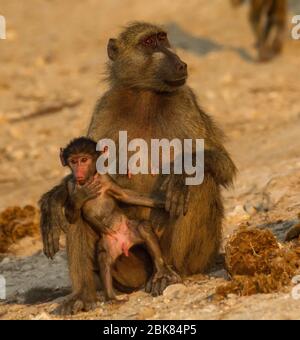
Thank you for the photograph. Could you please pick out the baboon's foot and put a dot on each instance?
(277, 46)
(161, 280)
(76, 304)
(265, 54)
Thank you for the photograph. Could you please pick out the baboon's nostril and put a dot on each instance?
(181, 66)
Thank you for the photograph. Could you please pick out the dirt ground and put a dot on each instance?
(54, 57)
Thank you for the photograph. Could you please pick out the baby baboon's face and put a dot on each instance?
(82, 167)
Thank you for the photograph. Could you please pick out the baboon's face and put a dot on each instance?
(83, 167)
(147, 63)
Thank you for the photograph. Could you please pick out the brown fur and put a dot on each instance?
(150, 109)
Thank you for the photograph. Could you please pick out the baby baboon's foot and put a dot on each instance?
(75, 304)
(161, 280)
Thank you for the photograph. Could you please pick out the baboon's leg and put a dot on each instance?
(259, 18)
(268, 19)
(105, 264)
(255, 17)
(81, 243)
(191, 243)
(164, 275)
(278, 21)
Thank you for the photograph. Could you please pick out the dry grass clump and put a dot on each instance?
(257, 263)
(16, 223)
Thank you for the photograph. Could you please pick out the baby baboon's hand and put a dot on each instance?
(86, 192)
(177, 195)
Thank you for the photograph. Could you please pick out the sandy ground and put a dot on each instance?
(55, 55)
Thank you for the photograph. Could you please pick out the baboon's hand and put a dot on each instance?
(177, 195)
(51, 241)
(86, 192)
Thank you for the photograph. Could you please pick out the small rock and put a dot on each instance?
(6, 260)
(209, 309)
(239, 212)
(146, 313)
(222, 273)
(27, 267)
(18, 155)
(250, 209)
(174, 291)
(42, 316)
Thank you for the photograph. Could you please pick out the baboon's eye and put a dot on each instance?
(149, 41)
(162, 36)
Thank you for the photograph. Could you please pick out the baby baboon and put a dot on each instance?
(92, 196)
(148, 97)
(268, 19)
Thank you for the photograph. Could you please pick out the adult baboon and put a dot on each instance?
(268, 19)
(148, 97)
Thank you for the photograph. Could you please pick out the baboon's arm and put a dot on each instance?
(78, 196)
(53, 219)
(72, 211)
(217, 161)
(130, 196)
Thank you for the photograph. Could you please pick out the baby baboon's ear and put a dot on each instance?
(63, 163)
(112, 49)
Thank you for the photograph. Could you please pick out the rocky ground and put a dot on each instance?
(51, 68)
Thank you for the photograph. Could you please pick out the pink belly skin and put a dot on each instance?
(119, 241)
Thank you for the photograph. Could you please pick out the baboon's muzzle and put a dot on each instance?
(176, 74)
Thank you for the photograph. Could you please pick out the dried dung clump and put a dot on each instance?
(257, 263)
(16, 223)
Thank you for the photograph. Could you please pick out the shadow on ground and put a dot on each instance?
(40, 295)
(294, 6)
(200, 45)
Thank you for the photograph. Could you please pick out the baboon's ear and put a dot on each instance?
(63, 163)
(112, 49)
